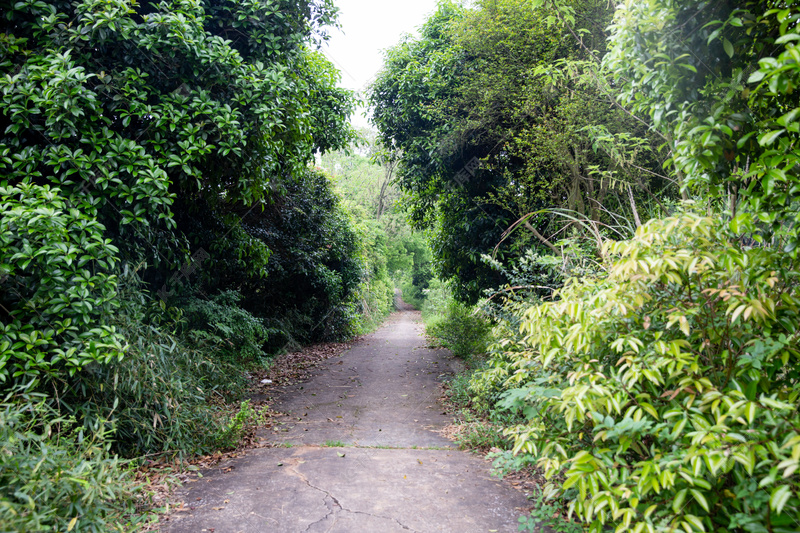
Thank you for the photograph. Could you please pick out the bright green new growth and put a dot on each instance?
(665, 391)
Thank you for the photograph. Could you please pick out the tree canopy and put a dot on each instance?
(489, 132)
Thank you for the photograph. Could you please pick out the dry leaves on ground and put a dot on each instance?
(159, 478)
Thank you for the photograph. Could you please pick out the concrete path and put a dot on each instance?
(360, 453)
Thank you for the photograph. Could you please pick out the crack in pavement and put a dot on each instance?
(336, 503)
(398, 466)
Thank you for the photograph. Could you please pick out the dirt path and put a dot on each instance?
(361, 454)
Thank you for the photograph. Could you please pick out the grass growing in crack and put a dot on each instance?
(334, 444)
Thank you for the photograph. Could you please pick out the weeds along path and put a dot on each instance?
(359, 452)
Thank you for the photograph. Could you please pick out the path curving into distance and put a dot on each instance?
(360, 454)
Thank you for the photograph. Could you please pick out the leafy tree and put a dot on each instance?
(663, 389)
(366, 182)
(719, 86)
(119, 115)
(489, 135)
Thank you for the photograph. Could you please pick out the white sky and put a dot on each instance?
(368, 27)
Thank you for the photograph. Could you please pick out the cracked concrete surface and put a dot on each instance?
(394, 472)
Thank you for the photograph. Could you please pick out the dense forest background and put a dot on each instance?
(594, 205)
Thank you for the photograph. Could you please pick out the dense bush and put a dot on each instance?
(160, 396)
(666, 391)
(154, 154)
(56, 475)
(409, 263)
(297, 262)
(458, 327)
(58, 285)
(219, 325)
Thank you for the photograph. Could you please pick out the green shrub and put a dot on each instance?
(547, 514)
(475, 433)
(219, 324)
(165, 396)
(56, 282)
(232, 433)
(56, 475)
(437, 297)
(457, 390)
(461, 330)
(667, 391)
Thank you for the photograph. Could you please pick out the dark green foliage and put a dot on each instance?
(159, 230)
(296, 261)
(498, 115)
(56, 475)
(219, 325)
(720, 87)
(121, 116)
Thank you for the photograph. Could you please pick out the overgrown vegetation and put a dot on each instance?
(616, 188)
(162, 232)
(622, 186)
(56, 475)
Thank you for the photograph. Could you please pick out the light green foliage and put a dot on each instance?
(461, 330)
(363, 179)
(56, 475)
(458, 327)
(392, 253)
(57, 277)
(409, 263)
(666, 391)
(375, 292)
(717, 79)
